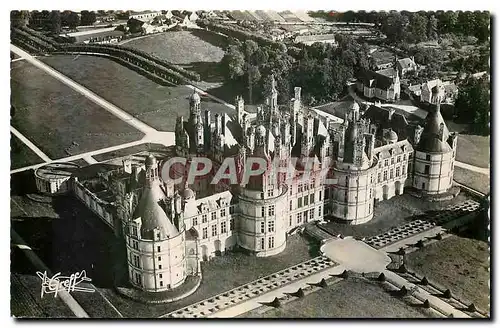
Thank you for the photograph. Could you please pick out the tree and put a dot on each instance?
(473, 103)
(54, 22)
(418, 28)
(73, 20)
(234, 63)
(88, 17)
(250, 48)
(19, 18)
(432, 28)
(448, 22)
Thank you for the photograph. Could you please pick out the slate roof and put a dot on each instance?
(430, 141)
(373, 79)
(406, 63)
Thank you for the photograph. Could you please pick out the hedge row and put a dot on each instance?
(191, 75)
(31, 40)
(236, 32)
(124, 54)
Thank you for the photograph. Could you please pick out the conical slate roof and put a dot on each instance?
(152, 214)
(430, 141)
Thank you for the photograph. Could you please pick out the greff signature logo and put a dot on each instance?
(59, 283)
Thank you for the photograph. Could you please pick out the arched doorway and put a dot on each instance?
(217, 245)
(385, 192)
(204, 253)
(399, 189)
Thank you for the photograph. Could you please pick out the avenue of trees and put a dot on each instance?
(322, 70)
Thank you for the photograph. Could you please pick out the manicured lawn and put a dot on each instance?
(60, 121)
(474, 180)
(460, 264)
(473, 150)
(346, 299)
(154, 104)
(144, 148)
(21, 155)
(183, 47)
(392, 213)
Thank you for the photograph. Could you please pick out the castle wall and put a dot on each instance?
(93, 203)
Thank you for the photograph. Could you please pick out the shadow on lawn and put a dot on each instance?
(209, 71)
(73, 241)
(211, 37)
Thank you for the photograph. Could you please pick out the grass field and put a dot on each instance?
(392, 213)
(347, 299)
(146, 100)
(21, 155)
(129, 151)
(473, 150)
(457, 263)
(57, 119)
(474, 180)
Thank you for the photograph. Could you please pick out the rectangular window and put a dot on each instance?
(385, 175)
(161, 283)
(427, 168)
(159, 266)
(319, 196)
(158, 249)
(214, 215)
(299, 188)
(136, 261)
(311, 198)
(299, 218)
(386, 162)
(305, 216)
(404, 157)
(319, 211)
(231, 224)
(270, 193)
(231, 209)
(205, 233)
(391, 173)
(223, 212)
(311, 186)
(159, 258)
(214, 230)
(299, 202)
(311, 213)
(135, 244)
(306, 187)
(290, 222)
(291, 204)
(271, 210)
(138, 278)
(392, 160)
(204, 218)
(379, 177)
(427, 157)
(262, 227)
(262, 243)
(223, 227)
(263, 211)
(270, 226)
(161, 276)
(271, 242)
(397, 171)
(291, 190)
(306, 200)
(195, 221)
(327, 193)
(399, 159)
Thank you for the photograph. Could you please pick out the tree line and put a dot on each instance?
(405, 26)
(52, 21)
(473, 104)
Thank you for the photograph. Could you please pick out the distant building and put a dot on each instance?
(406, 65)
(383, 84)
(447, 91)
(144, 16)
(321, 38)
